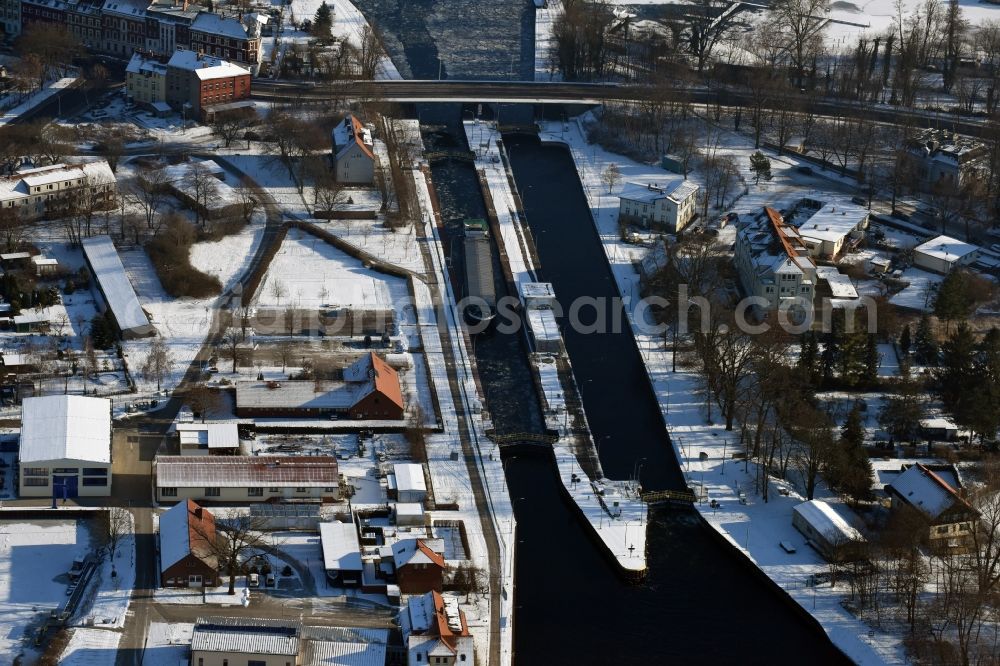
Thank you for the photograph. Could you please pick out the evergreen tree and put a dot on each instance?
(904, 340)
(925, 344)
(851, 470)
(872, 361)
(808, 355)
(954, 300)
(761, 167)
(323, 21)
(957, 374)
(901, 413)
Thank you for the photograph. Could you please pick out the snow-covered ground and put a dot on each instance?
(168, 644)
(348, 24)
(919, 295)
(35, 558)
(545, 43)
(752, 526)
(11, 113)
(91, 647)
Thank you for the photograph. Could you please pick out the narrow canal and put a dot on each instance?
(701, 603)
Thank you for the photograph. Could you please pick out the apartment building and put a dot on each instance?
(49, 190)
(668, 205)
(195, 80)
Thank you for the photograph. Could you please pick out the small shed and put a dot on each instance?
(341, 553)
(410, 484)
(827, 531)
(409, 514)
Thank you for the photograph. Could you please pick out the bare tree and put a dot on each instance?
(202, 399)
(237, 537)
(118, 524)
(159, 361)
(204, 189)
(231, 341)
(611, 176)
(150, 191)
(799, 25)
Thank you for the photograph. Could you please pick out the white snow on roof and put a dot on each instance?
(65, 427)
(214, 24)
(825, 520)
(945, 248)
(409, 476)
(341, 549)
(840, 284)
(210, 435)
(247, 636)
(922, 492)
(409, 509)
(110, 274)
(675, 189)
(175, 536)
(138, 64)
(543, 324)
(352, 647)
(205, 66)
(833, 222)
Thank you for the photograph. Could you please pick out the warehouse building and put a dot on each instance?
(246, 478)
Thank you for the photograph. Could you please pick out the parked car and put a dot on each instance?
(805, 170)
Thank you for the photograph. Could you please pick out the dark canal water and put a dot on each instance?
(700, 603)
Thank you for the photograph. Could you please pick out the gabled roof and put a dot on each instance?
(415, 551)
(249, 636)
(341, 548)
(224, 26)
(65, 427)
(383, 377)
(186, 529)
(352, 132)
(925, 491)
(246, 471)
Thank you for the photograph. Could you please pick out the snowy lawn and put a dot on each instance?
(35, 558)
(91, 647)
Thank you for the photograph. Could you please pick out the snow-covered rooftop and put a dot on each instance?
(833, 222)
(341, 548)
(343, 646)
(139, 64)
(65, 427)
(209, 435)
(246, 636)
(118, 292)
(246, 471)
(214, 24)
(825, 520)
(925, 491)
(204, 66)
(946, 248)
(675, 189)
(409, 477)
(840, 284)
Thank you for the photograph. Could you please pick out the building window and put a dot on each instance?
(95, 471)
(212, 492)
(35, 471)
(95, 481)
(168, 492)
(65, 470)
(255, 492)
(274, 490)
(300, 490)
(35, 481)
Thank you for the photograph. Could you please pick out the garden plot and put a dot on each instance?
(35, 558)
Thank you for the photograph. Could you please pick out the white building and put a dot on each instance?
(353, 152)
(825, 529)
(670, 204)
(50, 189)
(202, 439)
(65, 448)
(146, 82)
(246, 478)
(230, 641)
(539, 308)
(944, 253)
(113, 283)
(341, 553)
(944, 161)
(774, 263)
(833, 228)
(410, 484)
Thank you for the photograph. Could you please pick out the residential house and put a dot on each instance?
(942, 254)
(435, 631)
(353, 152)
(370, 390)
(949, 517)
(65, 447)
(50, 191)
(419, 568)
(668, 205)
(231, 641)
(774, 264)
(195, 80)
(187, 554)
(943, 161)
(246, 478)
(146, 82)
(231, 38)
(833, 229)
(826, 530)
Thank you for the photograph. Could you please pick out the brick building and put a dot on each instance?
(195, 80)
(419, 569)
(187, 532)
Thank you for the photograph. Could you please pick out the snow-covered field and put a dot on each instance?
(545, 43)
(919, 295)
(35, 558)
(91, 647)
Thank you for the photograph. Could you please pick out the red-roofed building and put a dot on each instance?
(950, 518)
(418, 568)
(353, 152)
(187, 532)
(383, 397)
(436, 632)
